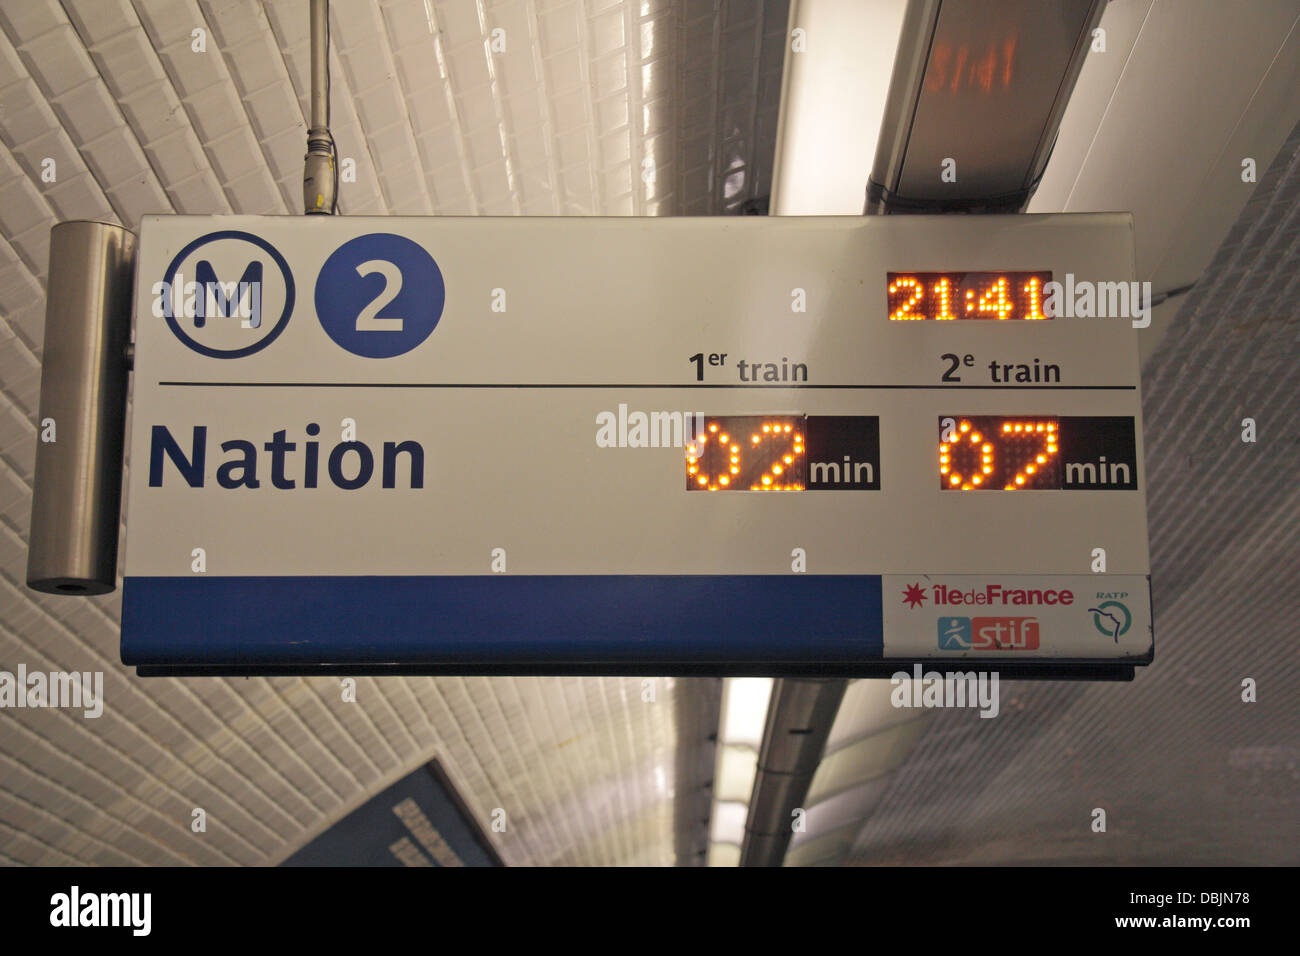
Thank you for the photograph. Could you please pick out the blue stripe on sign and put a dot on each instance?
(501, 618)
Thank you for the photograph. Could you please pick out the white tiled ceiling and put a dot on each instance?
(602, 107)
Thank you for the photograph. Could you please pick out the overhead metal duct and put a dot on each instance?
(975, 102)
(697, 705)
(799, 720)
(972, 113)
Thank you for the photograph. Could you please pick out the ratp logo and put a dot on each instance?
(1112, 618)
(227, 294)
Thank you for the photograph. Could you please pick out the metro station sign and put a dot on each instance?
(734, 445)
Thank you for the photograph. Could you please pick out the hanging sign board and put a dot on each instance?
(730, 445)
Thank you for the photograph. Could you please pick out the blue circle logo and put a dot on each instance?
(379, 295)
(226, 295)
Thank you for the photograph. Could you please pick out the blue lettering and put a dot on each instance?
(239, 470)
(212, 293)
(246, 465)
(191, 469)
(416, 453)
(364, 471)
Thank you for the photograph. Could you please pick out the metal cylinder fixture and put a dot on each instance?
(77, 491)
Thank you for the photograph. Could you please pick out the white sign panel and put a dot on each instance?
(697, 445)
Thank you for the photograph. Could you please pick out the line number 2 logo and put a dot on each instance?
(368, 320)
(380, 295)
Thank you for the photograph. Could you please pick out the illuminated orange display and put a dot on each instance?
(747, 453)
(914, 296)
(995, 453)
(971, 67)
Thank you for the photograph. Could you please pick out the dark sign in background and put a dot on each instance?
(418, 821)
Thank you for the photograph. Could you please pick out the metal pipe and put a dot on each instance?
(799, 720)
(697, 704)
(77, 490)
(320, 177)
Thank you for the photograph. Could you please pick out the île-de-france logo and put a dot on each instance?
(226, 295)
(1112, 619)
(914, 596)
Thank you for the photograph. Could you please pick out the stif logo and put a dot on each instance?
(1004, 633)
(988, 634)
(226, 295)
(954, 634)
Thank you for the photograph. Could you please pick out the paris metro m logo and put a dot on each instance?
(239, 300)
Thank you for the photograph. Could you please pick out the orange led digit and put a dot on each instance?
(772, 459)
(994, 453)
(1033, 290)
(910, 291)
(943, 293)
(944, 296)
(995, 303)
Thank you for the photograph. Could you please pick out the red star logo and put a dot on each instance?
(914, 596)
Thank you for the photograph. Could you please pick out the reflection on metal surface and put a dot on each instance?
(975, 102)
(958, 69)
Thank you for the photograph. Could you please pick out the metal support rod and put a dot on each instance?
(320, 77)
(320, 177)
(77, 490)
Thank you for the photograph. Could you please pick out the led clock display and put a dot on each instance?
(914, 296)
